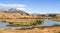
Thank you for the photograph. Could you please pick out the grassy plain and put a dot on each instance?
(51, 29)
(23, 22)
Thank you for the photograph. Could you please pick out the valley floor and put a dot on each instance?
(52, 29)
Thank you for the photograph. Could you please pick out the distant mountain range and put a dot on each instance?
(15, 10)
(12, 10)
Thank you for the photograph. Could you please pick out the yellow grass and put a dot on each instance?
(55, 29)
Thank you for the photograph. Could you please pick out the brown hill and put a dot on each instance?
(16, 15)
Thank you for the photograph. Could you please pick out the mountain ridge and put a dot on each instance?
(12, 10)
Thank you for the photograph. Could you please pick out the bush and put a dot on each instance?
(38, 22)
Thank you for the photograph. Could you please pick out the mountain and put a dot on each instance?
(4, 9)
(12, 10)
(37, 14)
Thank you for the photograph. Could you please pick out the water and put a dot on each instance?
(50, 22)
(46, 23)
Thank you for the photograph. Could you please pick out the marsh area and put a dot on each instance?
(46, 23)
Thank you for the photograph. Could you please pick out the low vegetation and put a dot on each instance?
(55, 17)
(27, 22)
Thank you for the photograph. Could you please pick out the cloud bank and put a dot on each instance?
(21, 8)
(18, 6)
(13, 5)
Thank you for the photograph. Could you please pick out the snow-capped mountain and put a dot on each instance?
(12, 10)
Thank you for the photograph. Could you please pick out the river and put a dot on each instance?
(46, 23)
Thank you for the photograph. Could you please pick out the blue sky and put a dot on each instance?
(33, 6)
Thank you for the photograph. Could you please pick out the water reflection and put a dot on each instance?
(46, 23)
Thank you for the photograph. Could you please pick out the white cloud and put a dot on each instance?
(12, 5)
(21, 8)
(18, 6)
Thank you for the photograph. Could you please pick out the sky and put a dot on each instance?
(33, 6)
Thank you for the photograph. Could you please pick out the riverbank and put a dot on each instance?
(50, 29)
(55, 19)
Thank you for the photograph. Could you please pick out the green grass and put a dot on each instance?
(28, 23)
